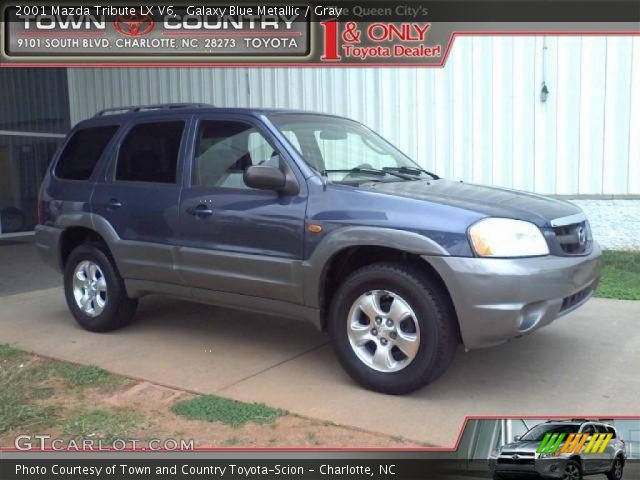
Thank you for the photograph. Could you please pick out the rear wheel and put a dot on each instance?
(94, 290)
(617, 469)
(393, 328)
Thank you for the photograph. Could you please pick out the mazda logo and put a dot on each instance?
(134, 25)
(582, 236)
(515, 457)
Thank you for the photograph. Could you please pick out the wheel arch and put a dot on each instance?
(352, 248)
(83, 228)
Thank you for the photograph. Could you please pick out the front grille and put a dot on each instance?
(516, 461)
(522, 458)
(573, 239)
(573, 300)
(522, 454)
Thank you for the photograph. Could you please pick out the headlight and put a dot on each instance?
(546, 455)
(505, 237)
(496, 452)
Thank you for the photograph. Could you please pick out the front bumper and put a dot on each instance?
(498, 299)
(552, 467)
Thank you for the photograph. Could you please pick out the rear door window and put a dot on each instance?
(82, 152)
(149, 153)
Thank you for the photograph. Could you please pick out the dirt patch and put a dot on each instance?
(104, 406)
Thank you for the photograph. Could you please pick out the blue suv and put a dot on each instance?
(308, 216)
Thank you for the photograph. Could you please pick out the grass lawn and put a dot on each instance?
(620, 275)
(75, 403)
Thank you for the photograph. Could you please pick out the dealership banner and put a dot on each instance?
(286, 34)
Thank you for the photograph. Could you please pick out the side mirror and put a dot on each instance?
(264, 178)
(517, 438)
(277, 176)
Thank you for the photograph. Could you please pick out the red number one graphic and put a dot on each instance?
(330, 42)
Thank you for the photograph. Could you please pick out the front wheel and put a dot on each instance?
(572, 471)
(94, 290)
(393, 328)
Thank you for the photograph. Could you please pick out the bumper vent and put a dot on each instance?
(574, 239)
(575, 299)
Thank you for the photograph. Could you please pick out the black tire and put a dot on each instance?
(119, 308)
(573, 464)
(497, 476)
(614, 473)
(439, 337)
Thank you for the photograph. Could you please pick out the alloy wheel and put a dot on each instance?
(617, 469)
(90, 288)
(383, 331)
(571, 472)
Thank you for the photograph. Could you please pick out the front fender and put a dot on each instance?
(314, 269)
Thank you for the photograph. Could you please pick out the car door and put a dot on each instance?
(605, 458)
(140, 196)
(589, 460)
(234, 238)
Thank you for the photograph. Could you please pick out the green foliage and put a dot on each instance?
(106, 425)
(7, 352)
(620, 275)
(211, 408)
(83, 376)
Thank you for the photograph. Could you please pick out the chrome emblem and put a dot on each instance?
(515, 457)
(582, 235)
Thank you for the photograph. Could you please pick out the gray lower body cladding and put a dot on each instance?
(498, 299)
(495, 299)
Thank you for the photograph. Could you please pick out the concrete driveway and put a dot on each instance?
(584, 364)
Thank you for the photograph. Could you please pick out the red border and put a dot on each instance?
(337, 449)
(346, 65)
(324, 64)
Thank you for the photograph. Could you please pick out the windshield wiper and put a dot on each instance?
(411, 171)
(373, 171)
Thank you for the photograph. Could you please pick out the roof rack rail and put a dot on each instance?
(159, 106)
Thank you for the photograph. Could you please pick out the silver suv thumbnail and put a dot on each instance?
(562, 449)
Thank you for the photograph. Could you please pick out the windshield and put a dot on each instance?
(537, 433)
(344, 150)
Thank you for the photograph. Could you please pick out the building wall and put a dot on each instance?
(34, 118)
(480, 118)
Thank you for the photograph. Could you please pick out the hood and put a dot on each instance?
(521, 447)
(491, 201)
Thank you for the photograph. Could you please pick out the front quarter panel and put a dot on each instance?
(335, 207)
(351, 217)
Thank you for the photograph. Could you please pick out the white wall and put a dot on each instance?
(479, 118)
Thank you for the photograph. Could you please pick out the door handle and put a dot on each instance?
(201, 210)
(113, 204)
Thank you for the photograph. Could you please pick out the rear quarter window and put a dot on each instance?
(82, 152)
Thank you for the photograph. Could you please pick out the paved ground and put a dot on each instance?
(21, 269)
(584, 364)
(615, 223)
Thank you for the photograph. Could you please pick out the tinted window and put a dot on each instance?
(612, 431)
(537, 433)
(149, 153)
(225, 150)
(83, 151)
